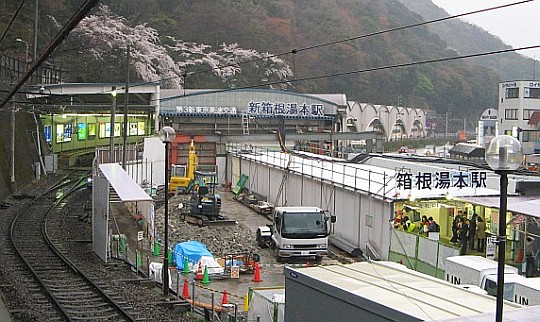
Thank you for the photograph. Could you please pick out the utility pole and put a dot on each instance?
(125, 134)
(112, 155)
(446, 125)
(36, 17)
(13, 111)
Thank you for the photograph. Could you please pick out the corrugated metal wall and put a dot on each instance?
(361, 218)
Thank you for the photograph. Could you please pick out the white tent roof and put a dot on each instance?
(527, 314)
(125, 187)
(394, 286)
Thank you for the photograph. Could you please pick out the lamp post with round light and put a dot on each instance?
(167, 135)
(112, 125)
(26, 51)
(503, 156)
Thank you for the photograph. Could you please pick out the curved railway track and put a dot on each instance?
(58, 287)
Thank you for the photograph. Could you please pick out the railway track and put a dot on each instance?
(57, 287)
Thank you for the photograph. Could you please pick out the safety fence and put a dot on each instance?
(420, 253)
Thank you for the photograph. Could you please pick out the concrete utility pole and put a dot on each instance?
(36, 18)
(112, 155)
(446, 125)
(13, 111)
(125, 134)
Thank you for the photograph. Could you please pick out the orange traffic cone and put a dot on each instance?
(257, 275)
(225, 299)
(185, 291)
(199, 275)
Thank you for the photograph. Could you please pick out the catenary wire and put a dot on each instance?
(374, 68)
(10, 23)
(416, 63)
(294, 51)
(376, 33)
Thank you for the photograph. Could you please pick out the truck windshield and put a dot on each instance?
(303, 225)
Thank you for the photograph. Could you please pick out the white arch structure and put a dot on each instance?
(395, 122)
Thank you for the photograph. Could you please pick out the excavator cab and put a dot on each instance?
(182, 175)
(204, 201)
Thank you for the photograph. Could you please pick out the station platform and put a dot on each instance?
(5, 316)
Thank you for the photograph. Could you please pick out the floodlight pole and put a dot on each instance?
(501, 240)
(112, 155)
(166, 251)
(503, 156)
(167, 135)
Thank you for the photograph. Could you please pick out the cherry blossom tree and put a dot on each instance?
(108, 35)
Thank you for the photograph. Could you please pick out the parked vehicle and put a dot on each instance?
(482, 272)
(469, 269)
(297, 232)
(182, 175)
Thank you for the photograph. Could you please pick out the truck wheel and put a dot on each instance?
(260, 241)
(275, 251)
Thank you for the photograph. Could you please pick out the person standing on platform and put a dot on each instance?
(472, 231)
(530, 268)
(464, 236)
(481, 234)
(455, 228)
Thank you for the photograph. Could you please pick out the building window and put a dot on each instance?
(525, 136)
(512, 92)
(533, 136)
(531, 92)
(528, 113)
(511, 114)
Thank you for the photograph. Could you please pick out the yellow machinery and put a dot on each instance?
(181, 175)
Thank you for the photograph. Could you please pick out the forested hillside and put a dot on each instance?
(188, 41)
(468, 39)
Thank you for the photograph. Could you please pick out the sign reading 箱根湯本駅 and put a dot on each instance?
(440, 180)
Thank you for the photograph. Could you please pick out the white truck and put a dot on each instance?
(526, 291)
(482, 272)
(297, 232)
(475, 270)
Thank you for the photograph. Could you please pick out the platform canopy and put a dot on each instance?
(525, 205)
(125, 187)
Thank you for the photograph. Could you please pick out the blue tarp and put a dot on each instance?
(193, 250)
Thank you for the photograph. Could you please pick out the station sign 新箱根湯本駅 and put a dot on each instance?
(286, 109)
(440, 180)
(264, 108)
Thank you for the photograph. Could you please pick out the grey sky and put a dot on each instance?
(517, 26)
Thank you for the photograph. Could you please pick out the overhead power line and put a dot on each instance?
(376, 33)
(10, 23)
(294, 51)
(72, 23)
(360, 71)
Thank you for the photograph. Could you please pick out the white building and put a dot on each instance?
(487, 127)
(395, 122)
(518, 101)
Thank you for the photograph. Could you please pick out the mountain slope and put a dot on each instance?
(361, 68)
(279, 26)
(468, 39)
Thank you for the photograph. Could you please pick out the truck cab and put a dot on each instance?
(298, 232)
(517, 288)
